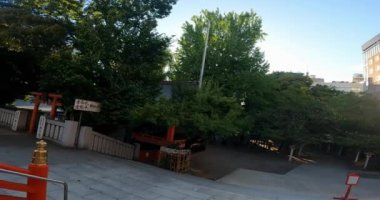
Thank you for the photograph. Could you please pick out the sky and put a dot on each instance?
(322, 37)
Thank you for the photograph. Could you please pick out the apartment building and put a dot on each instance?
(371, 58)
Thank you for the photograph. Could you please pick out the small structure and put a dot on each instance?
(39, 98)
(177, 160)
(351, 180)
(150, 145)
(35, 189)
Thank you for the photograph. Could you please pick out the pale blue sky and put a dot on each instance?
(321, 36)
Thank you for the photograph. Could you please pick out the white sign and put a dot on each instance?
(41, 127)
(15, 120)
(352, 180)
(85, 105)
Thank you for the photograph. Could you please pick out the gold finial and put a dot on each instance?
(40, 154)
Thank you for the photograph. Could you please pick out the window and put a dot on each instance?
(377, 58)
(378, 68)
(377, 78)
(370, 61)
(370, 71)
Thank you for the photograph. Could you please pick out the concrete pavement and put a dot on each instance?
(95, 176)
(322, 180)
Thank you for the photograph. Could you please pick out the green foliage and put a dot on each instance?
(233, 59)
(67, 10)
(288, 113)
(205, 112)
(357, 119)
(161, 112)
(19, 74)
(25, 41)
(234, 62)
(209, 111)
(63, 73)
(108, 51)
(22, 31)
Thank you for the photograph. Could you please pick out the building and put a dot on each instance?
(356, 86)
(371, 58)
(358, 78)
(316, 80)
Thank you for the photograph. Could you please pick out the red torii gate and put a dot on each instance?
(38, 99)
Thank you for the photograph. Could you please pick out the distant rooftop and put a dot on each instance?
(371, 42)
(28, 105)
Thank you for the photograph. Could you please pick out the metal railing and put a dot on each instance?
(65, 186)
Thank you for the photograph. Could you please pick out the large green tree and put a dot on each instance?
(203, 113)
(357, 119)
(113, 53)
(127, 51)
(25, 41)
(233, 59)
(285, 118)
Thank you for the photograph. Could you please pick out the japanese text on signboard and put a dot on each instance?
(85, 105)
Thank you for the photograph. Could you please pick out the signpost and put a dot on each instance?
(41, 127)
(351, 180)
(84, 105)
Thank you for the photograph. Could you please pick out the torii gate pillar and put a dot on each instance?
(38, 98)
(33, 119)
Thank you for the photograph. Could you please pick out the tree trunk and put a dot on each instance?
(367, 157)
(328, 148)
(340, 151)
(299, 153)
(292, 148)
(357, 156)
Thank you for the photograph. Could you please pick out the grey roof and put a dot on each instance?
(19, 103)
(371, 42)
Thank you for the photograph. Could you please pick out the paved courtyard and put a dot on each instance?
(95, 176)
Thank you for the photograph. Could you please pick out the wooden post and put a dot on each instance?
(33, 120)
(299, 153)
(170, 134)
(292, 148)
(357, 156)
(54, 104)
(368, 155)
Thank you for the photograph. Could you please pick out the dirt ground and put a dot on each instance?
(218, 161)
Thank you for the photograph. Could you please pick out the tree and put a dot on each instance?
(66, 11)
(234, 62)
(287, 117)
(202, 114)
(25, 41)
(357, 121)
(18, 75)
(233, 59)
(113, 52)
(210, 112)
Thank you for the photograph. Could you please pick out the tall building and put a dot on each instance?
(371, 57)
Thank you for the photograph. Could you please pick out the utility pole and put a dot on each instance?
(204, 56)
